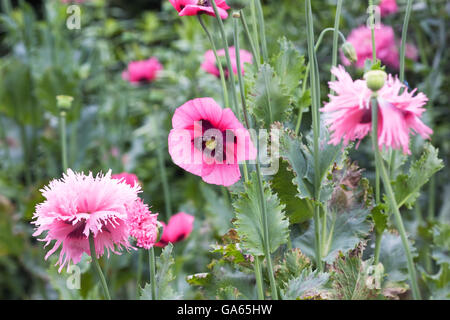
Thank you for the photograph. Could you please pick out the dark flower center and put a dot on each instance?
(367, 116)
(213, 142)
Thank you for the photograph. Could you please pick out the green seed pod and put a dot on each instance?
(64, 103)
(375, 79)
(349, 52)
(237, 4)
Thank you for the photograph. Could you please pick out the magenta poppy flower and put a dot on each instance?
(348, 113)
(143, 224)
(194, 7)
(388, 7)
(177, 229)
(142, 71)
(209, 141)
(129, 178)
(77, 206)
(210, 64)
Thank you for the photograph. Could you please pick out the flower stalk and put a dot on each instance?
(218, 61)
(315, 95)
(152, 265)
(392, 201)
(97, 266)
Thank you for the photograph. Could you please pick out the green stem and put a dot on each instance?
(255, 30)
(337, 19)
(152, 265)
(393, 202)
(241, 82)
(258, 276)
(257, 269)
(165, 182)
(255, 54)
(308, 66)
(372, 31)
(262, 30)
(378, 237)
(404, 35)
(218, 61)
(315, 95)
(62, 124)
(431, 198)
(97, 266)
(227, 56)
(139, 273)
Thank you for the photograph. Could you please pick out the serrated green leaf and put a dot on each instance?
(297, 210)
(164, 275)
(289, 65)
(293, 264)
(407, 187)
(345, 232)
(268, 99)
(199, 279)
(380, 218)
(393, 258)
(441, 244)
(308, 285)
(351, 279)
(249, 223)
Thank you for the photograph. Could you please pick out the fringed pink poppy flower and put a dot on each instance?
(142, 71)
(129, 178)
(143, 224)
(388, 7)
(178, 228)
(210, 64)
(79, 205)
(195, 7)
(209, 141)
(349, 112)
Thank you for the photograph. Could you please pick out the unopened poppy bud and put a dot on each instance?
(64, 103)
(375, 79)
(237, 4)
(159, 232)
(236, 15)
(349, 52)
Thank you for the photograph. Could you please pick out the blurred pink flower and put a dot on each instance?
(388, 7)
(194, 7)
(77, 206)
(142, 71)
(209, 141)
(178, 228)
(129, 178)
(210, 64)
(349, 112)
(385, 45)
(143, 224)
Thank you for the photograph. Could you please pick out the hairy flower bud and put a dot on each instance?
(375, 79)
(349, 52)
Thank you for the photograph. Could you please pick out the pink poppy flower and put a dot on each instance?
(143, 224)
(129, 178)
(142, 71)
(77, 206)
(177, 229)
(385, 45)
(210, 64)
(209, 141)
(194, 7)
(388, 7)
(349, 113)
